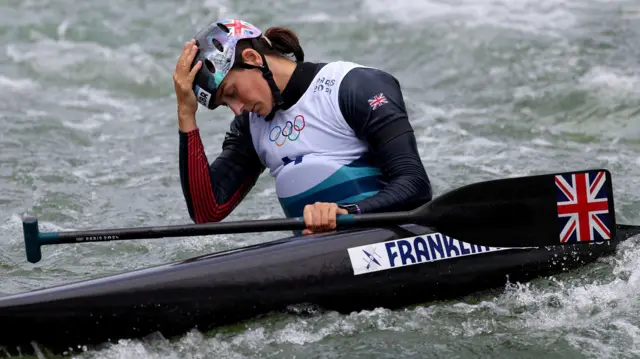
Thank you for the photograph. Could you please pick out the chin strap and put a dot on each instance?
(268, 75)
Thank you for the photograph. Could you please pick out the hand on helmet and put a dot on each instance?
(183, 77)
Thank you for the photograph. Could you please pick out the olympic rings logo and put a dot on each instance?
(291, 131)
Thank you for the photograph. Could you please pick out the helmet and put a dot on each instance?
(217, 49)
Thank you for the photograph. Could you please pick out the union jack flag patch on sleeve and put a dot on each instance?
(377, 101)
(583, 207)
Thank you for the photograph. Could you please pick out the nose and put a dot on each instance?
(236, 107)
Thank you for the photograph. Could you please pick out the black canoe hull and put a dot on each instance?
(231, 286)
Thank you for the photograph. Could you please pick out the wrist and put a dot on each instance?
(187, 122)
(351, 208)
(186, 111)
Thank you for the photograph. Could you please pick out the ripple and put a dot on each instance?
(493, 89)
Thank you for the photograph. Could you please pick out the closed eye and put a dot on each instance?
(221, 96)
(231, 94)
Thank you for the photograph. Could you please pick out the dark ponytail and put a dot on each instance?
(281, 42)
(284, 41)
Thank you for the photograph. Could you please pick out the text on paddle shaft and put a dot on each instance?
(96, 238)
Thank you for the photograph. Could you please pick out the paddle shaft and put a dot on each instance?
(267, 225)
(34, 239)
(104, 235)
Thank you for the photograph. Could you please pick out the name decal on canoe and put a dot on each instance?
(412, 250)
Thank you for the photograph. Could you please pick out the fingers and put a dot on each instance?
(331, 217)
(183, 65)
(324, 218)
(320, 217)
(186, 49)
(191, 54)
(184, 76)
(308, 215)
(194, 71)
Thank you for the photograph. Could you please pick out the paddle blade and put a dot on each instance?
(550, 209)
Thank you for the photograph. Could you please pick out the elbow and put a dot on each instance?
(421, 190)
(208, 220)
(418, 187)
(210, 215)
(193, 218)
(425, 192)
(202, 212)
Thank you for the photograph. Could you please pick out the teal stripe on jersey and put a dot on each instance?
(338, 188)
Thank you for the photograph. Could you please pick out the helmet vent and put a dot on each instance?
(223, 27)
(217, 45)
(209, 66)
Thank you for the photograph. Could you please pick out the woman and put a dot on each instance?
(335, 136)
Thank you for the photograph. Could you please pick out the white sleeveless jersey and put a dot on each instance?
(312, 151)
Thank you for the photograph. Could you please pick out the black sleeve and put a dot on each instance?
(213, 191)
(371, 102)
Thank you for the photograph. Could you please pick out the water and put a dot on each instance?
(494, 89)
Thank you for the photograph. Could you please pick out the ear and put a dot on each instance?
(251, 57)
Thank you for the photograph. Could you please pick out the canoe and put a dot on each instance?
(344, 271)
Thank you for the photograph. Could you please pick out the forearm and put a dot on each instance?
(186, 120)
(212, 191)
(408, 184)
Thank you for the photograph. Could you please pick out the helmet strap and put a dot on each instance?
(268, 76)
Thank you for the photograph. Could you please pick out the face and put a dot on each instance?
(246, 90)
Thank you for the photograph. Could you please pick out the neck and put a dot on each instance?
(282, 69)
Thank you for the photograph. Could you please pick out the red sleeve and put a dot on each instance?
(213, 190)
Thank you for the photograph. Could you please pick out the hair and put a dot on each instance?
(281, 42)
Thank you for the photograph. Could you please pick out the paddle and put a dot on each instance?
(541, 210)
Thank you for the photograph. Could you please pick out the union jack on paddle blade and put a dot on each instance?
(585, 211)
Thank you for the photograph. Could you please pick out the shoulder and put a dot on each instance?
(372, 103)
(240, 123)
(352, 80)
(238, 129)
(364, 76)
(369, 90)
(336, 69)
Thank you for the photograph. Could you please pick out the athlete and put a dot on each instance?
(335, 136)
